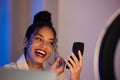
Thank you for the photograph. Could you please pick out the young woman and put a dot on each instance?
(40, 43)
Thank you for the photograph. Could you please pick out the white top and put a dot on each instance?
(21, 64)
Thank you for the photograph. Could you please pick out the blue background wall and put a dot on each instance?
(4, 31)
(10, 24)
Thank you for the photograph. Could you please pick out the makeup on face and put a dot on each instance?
(42, 45)
(40, 39)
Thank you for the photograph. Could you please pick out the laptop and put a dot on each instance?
(8, 74)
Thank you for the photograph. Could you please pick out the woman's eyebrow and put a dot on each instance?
(40, 35)
(43, 36)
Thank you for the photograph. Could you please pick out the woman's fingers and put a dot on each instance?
(58, 66)
(74, 62)
(75, 66)
(80, 57)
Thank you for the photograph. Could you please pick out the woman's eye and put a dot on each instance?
(37, 38)
(51, 43)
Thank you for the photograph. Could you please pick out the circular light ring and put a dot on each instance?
(105, 49)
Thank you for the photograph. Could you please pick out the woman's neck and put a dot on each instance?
(34, 66)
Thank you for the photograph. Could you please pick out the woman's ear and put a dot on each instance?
(25, 42)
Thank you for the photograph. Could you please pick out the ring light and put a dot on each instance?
(105, 49)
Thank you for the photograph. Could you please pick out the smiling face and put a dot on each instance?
(40, 46)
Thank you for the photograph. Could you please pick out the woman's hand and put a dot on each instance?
(58, 66)
(76, 66)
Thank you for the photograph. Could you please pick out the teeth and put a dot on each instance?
(40, 52)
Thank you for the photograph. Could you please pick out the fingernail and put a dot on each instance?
(58, 58)
(79, 50)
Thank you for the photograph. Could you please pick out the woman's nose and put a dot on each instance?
(43, 44)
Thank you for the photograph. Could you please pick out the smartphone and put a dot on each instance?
(77, 46)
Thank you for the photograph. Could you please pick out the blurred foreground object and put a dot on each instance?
(12, 74)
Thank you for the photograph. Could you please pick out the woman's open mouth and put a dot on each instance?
(40, 53)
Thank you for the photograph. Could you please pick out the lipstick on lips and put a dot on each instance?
(40, 53)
